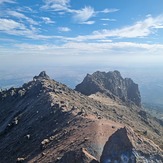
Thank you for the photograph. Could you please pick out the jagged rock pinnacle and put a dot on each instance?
(112, 84)
(42, 75)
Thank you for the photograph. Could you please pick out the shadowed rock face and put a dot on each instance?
(80, 156)
(112, 84)
(118, 148)
(42, 75)
(124, 146)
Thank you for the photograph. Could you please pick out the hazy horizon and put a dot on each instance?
(69, 40)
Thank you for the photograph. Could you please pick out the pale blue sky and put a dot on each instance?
(69, 38)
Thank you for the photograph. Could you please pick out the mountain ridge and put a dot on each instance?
(45, 121)
(112, 84)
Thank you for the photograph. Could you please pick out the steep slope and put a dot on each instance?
(45, 121)
(112, 84)
(42, 115)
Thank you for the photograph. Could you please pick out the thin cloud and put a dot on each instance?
(109, 10)
(105, 48)
(105, 41)
(80, 16)
(8, 24)
(88, 22)
(7, 1)
(84, 14)
(64, 29)
(25, 9)
(107, 19)
(11, 27)
(159, 26)
(138, 30)
(47, 20)
(21, 16)
(57, 5)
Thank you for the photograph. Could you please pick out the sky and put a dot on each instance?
(71, 27)
(52, 34)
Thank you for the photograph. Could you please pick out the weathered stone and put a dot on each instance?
(112, 84)
(28, 136)
(42, 75)
(79, 156)
(20, 160)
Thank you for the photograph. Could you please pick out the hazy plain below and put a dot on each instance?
(70, 70)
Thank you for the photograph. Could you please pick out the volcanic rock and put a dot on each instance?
(127, 147)
(80, 156)
(50, 122)
(42, 75)
(112, 84)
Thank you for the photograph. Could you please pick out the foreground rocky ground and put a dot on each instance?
(45, 121)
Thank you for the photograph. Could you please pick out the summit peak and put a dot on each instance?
(113, 84)
(42, 75)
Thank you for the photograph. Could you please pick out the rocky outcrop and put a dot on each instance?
(42, 75)
(127, 147)
(80, 156)
(112, 84)
(118, 148)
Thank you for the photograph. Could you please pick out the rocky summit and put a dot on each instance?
(112, 84)
(45, 121)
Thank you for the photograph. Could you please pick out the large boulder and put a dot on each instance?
(125, 146)
(79, 156)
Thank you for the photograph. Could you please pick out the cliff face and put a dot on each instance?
(112, 84)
